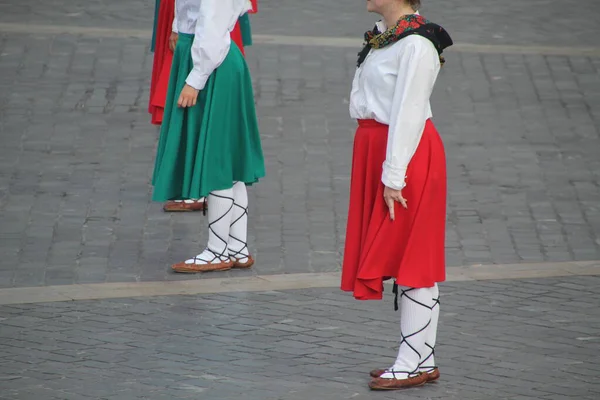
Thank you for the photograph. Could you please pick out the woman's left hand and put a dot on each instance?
(173, 40)
(391, 196)
(188, 97)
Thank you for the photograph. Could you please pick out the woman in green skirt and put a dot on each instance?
(209, 142)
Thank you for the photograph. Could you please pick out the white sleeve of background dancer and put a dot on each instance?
(213, 37)
(417, 72)
(174, 25)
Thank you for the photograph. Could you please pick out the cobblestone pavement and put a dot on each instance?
(517, 340)
(521, 133)
(522, 137)
(542, 22)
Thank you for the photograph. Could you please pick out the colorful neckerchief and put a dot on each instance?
(412, 24)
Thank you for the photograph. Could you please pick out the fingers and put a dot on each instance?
(186, 100)
(390, 203)
(183, 101)
(402, 201)
(173, 41)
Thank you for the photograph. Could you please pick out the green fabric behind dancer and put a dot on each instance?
(156, 8)
(246, 29)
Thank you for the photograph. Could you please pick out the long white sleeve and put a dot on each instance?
(417, 72)
(174, 26)
(216, 19)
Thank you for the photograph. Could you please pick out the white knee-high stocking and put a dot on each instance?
(427, 363)
(415, 308)
(220, 206)
(238, 232)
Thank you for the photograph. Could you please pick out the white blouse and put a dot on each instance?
(393, 86)
(211, 21)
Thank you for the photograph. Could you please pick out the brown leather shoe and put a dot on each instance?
(182, 206)
(395, 384)
(431, 376)
(193, 268)
(376, 373)
(241, 265)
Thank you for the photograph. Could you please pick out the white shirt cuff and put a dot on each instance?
(393, 177)
(196, 79)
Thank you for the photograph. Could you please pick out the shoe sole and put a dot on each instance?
(199, 272)
(430, 379)
(182, 210)
(380, 388)
(243, 266)
(238, 265)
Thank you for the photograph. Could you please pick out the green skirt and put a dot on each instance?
(246, 30)
(156, 8)
(213, 144)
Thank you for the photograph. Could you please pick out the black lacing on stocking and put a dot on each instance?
(390, 371)
(405, 339)
(436, 303)
(395, 291)
(431, 354)
(241, 252)
(216, 257)
(211, 223)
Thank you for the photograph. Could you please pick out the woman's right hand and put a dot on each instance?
(391, 197)
(173, 40)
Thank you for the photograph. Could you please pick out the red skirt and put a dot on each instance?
(163, 57)
(409, 249)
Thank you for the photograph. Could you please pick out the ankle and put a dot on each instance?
(239, 253)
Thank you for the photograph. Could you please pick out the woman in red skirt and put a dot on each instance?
(164, 44)
(165, 39)
(396, 222)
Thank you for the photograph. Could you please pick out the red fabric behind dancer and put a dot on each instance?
(254, 7)
(236, 37)
(163, 56)
(236, 34)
